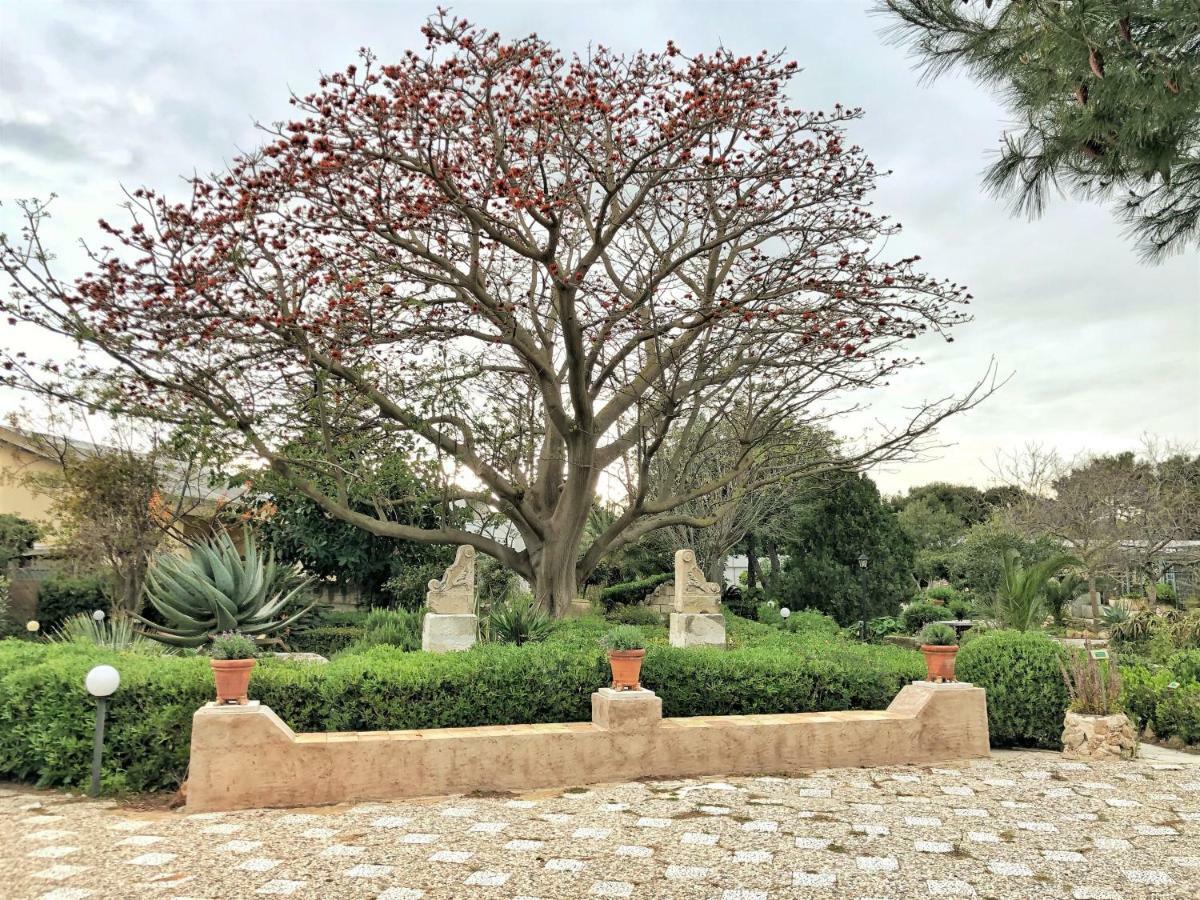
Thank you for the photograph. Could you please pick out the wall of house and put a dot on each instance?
(15, 497)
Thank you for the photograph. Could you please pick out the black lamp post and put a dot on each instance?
(862, 583)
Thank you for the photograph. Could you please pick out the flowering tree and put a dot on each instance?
(538, 266)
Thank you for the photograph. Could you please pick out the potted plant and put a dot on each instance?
(626, 650)
(232, 658)
(939, 643)
(1095, 726)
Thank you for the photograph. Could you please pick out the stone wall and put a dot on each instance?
(245, 756)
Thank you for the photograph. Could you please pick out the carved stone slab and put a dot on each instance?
(454, 593)
(692, 593)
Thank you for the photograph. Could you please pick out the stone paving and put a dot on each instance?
(1018, 825)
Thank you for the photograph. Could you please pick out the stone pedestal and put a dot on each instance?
(441, 633)
(697, 630)
(626, 710)
(1098, 737)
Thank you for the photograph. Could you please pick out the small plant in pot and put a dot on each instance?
(1095, 727)
(232, 658)
(939, 643)
(626, 650)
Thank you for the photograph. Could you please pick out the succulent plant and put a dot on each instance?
(217, 589)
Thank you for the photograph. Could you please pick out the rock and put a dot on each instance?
(1098, 737)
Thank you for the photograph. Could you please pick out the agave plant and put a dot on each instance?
(217, 589)
(110, 632)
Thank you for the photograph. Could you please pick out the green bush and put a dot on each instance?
(633, 615)
(518, 620)
(1166, 593)
(46, 717)
(960, 608)
(916, 616)
(1185, 665)
(812, 621)
(7, 625)
(631, 593)
(61, 596)
(395, 627)
(325, 639)
(942, 592)
(1026, 694)
(1170, 712)
(768, 613)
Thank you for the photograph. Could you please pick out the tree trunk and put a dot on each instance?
(773, 556)
(716, 568)
(554, 584)
(1094, 597)
(751, 561)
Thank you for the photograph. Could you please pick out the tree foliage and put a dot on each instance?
(391, 486)
(16, 536)
(1107, 93)
(823, 540)
(538, 267)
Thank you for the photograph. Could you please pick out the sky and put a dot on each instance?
(1099, 348)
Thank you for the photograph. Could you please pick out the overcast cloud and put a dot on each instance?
(1102, 347)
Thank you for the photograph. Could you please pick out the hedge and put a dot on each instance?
(1026, 695)
(46, 718)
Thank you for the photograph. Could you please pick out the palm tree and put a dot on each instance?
(1061, 591)
(1020, 601)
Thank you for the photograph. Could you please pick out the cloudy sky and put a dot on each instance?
(1101, 347)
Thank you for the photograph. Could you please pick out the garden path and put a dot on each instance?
(1017, 825)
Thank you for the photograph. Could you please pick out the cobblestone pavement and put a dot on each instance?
(1019, 825)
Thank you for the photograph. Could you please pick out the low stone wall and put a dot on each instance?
(245, 756)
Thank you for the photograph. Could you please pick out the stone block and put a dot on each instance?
(697, 630)
(626, 710)
(441, 634)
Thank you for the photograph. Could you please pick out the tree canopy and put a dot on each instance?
(539, 267)
(1107, 94)
(823, 540)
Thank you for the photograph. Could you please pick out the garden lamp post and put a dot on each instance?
(101, 682)
(862, 584)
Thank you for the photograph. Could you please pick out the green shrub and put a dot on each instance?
(916, 616)
(1185, 665)
(325, 639)
(631, 593)
(407, 588)
(46, 717)
(1026, 694)
(877, 628)
(394, 627)
(1166, 593)
(768, 613)
(943, 592)
(62, 596)
(813, 622)
(633, 615)
(1177, 713)
(7, 625)
(960, 608)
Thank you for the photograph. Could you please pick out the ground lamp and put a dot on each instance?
(862, 578)
(101, 682)
(784, 612)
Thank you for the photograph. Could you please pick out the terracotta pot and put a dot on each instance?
(939, 661)
(233, 678)
(626, 669)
